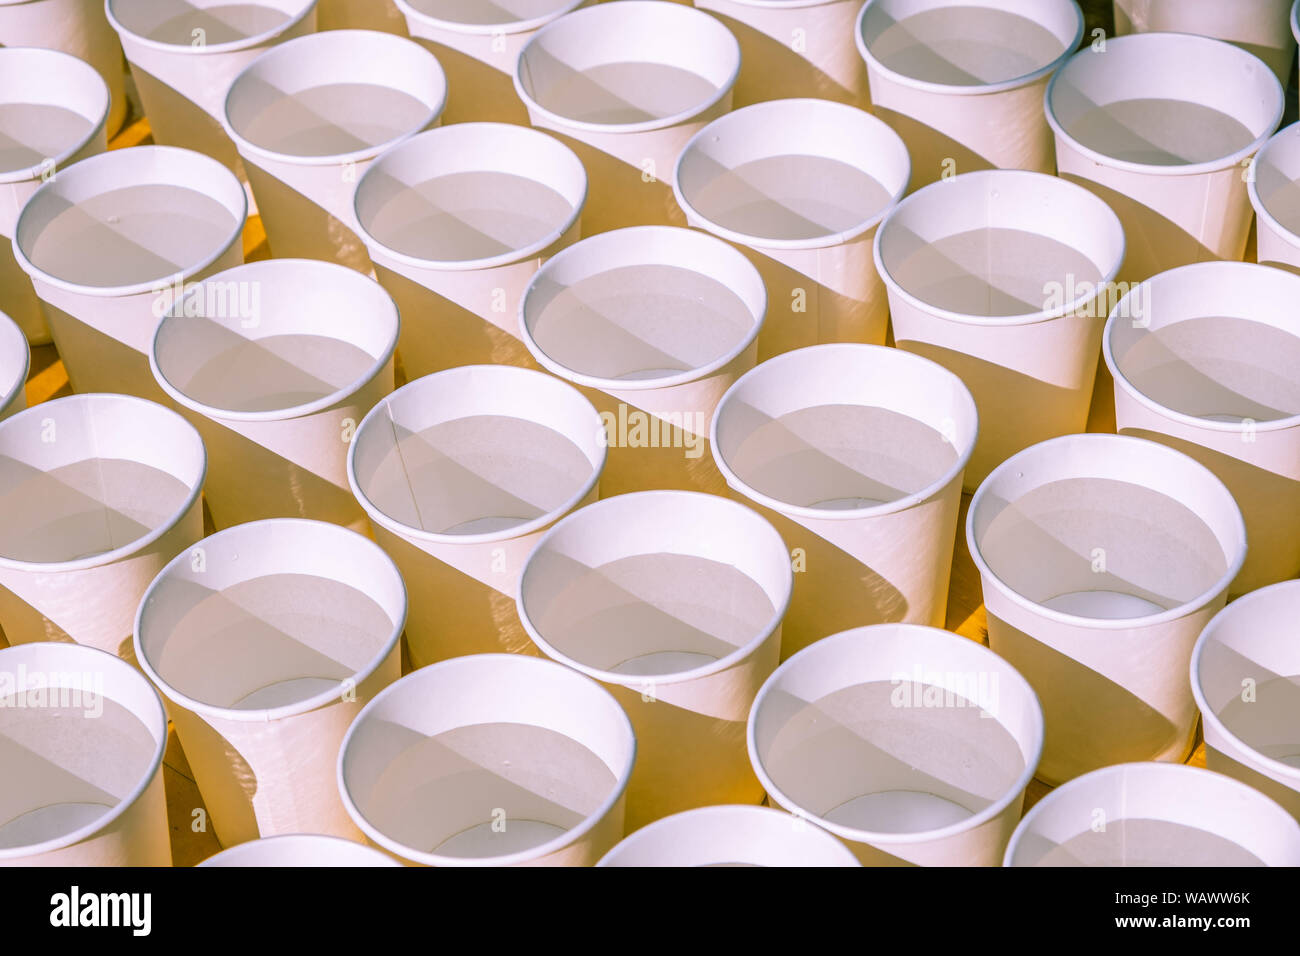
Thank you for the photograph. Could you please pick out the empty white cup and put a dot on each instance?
(911, 744)
(300, 849)
(1161, 126)
(106, 241)
(1273, 185)
(1005, 278)
(1102, 557)
(82, 736)
(457, 220)
(460, 474)
(15, 360)
(1212, 368)
(730, 836)
(97, 493)
(855, 453)
(1152, 814)
(490, 760)
(626, 85)
(275, 363)
(962, 80)
(800, 186)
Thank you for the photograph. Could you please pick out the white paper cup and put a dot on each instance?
(1161, 126)
(460, 474)
(1212, 368)
(911, 744)
(268, 639)
(55, 108)
(1102, 557)
(627, 85)
(807, 218)
(730, 836)
(490, 760)
(82, 736)
(309, 117)
(1151, 814)
(1244, 678)
(300, 849)
(1005, 278)
(360, 15)
(97, 493)
(673, 601)
(275, 363)
(457, 220)
(855, 453)
(962, 80)
(653, 324)
(478, 45)
(15, 360)
(106, 241)
(183, 60)
(1273, 185)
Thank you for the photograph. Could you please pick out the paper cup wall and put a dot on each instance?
(82, 736)
(97, 493)
(1102, 557)
(108, 242)
(962, 80)
(300, 849)
(730, 836)
(1162, 126)
(183, 59)
(15, 360)
(1273, 185)
(1150, 814)
(1246, 681)
(457, 221)
(275, 363)
(53, 109)
(1005, 278)
(626, 85)
(673, 601)
(309, 117)
(911, 744)
(268, 639)
(1211, 366)
(653, 324)
(490, 760)
(460, 473)
(855, 453)
(806, 219)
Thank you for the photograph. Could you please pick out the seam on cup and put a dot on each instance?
(230, 46)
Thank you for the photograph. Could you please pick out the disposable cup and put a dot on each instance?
(1102, 557)
(460, 473)
(806, 219)
(1273, 185)
(275, 363)
(855, 454)
(15, 360)
(97, 493)
(490, 760)
(300, 849)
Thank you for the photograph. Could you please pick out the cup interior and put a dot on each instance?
(300, 849)
(14, 360)
(175, 22)
(50, 104)
(1277, 180)
(511, 17)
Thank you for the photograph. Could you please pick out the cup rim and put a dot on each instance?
(9, 327)
(230, 46)
(54, 163)
(409, 11)
(239, 850)
(1252, 175)
(1295, 21)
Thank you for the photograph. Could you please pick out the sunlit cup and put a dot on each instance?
(490, 760)
(855, 454)
(1102, 557)
(300, 849)
(275, 363)
(1162, 126)
(183, 59)
(97, 493)
(15, 360)
(55, 107)
(1005, 278)
(107, 241)
(1155, 814)
(673, 601)
(626, 85)
(1212, 368)
(460, 473)
(962, 80)
(457, 220)
(730, 836)
(1244, 678)
(310, 116)
(1273, 185)
(360, 15)
(653, 324)
(911, 744)
(82, 736)
(800, 186)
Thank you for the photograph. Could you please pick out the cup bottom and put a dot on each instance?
(898, 811)
(490, 839)
(848, 504)
(285, 692)
(663, 662)
(1103, 605)
(48, 823)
